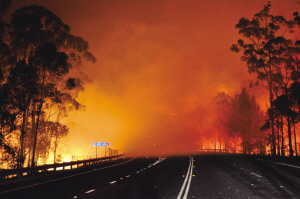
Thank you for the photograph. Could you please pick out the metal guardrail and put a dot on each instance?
(219, 150)
(31, 171)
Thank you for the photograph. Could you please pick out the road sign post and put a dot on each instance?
(96, 144)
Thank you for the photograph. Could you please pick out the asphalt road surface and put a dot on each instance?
(197, 176)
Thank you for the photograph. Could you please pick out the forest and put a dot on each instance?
(40, 78)
(270, 52)
(41, 74)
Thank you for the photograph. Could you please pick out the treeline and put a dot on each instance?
(40, 76)
(269, 52)
(237, 124)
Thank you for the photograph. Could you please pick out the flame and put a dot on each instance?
(156, 71)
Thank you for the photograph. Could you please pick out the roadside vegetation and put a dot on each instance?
(40, 77)
(41, 74)
(270, 50)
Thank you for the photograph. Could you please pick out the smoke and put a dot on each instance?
(159, 64)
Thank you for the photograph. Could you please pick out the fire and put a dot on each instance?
(156, 74)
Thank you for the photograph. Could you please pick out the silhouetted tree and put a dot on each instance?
(283, 105)
(4, 49)
(22, 88)
(59, 132)
(221, 107)
(40, 51)
(264, 36)
(60, 105)
(245, 122)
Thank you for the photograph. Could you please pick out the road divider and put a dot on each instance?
(187, 181)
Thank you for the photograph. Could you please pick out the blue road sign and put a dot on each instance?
(101, 144)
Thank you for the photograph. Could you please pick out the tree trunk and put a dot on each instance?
(272, 119)
(22, 139)
(278, 137)
(216, 143)
(290, 137)
(55, 146)
(28, 157)
(282, 138)
(36, 132)
(295, 138)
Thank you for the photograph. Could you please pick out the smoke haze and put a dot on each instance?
(159, 64)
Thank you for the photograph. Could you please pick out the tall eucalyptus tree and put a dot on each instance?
(41, 41)
(264, 38)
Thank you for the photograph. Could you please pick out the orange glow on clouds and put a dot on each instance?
(159, 64)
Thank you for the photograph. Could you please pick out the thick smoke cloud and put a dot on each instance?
(159, 64)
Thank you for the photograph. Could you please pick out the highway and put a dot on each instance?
(178, 177)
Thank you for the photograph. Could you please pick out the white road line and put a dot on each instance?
(189, 183)
(90, 191)
(159, 160)
(255, 174)
(187, 179)
(280, 163)
(65, 177)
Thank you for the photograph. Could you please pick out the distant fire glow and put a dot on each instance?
(159, 65)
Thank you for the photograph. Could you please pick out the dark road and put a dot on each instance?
(197, 176)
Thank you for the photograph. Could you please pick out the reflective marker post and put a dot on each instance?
(96, 144)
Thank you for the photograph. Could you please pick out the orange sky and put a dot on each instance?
(159, 65)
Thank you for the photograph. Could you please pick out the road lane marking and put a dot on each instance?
(66, 177)
(158, 161)
(280, 163)
(187, 181)
(255, 174)
(90, 191)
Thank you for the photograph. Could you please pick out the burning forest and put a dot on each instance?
(153, 78)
